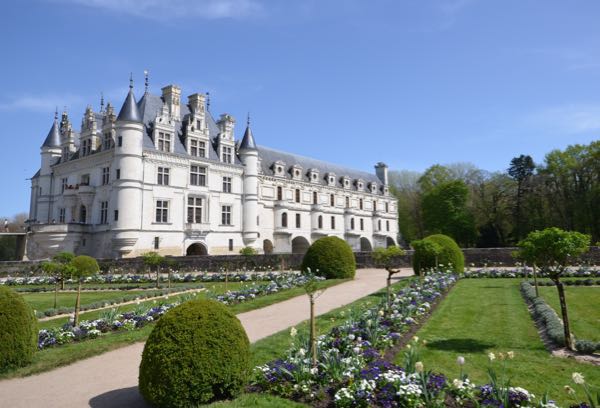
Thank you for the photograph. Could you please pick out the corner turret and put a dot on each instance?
(248, 154)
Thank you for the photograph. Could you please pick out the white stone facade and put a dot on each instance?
(166, 177)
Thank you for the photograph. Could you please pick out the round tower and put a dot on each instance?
(42, 195)
(248, 153)
(127, 166)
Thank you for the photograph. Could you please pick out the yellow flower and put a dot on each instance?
(419, 367)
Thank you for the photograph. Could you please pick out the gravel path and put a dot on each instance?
(110, 379)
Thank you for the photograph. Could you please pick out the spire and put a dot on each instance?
(53, 138)
(129, 111)
(248, 142)
(208, 101)
(101, 102)
(145, 81)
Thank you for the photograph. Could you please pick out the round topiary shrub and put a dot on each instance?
(18, 330)
(437, 246)
(330, 257)
(198, 352)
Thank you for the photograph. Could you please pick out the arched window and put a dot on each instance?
(320, 222)
(279, 193)
(315, 198)
(284, 220)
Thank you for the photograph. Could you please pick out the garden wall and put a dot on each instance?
(477, 256)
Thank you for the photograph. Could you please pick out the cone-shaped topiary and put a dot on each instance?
(18, 330)
(197, 353)
(437, 247)
(330, 257)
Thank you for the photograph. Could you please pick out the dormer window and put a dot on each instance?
(226, 154)
(360, 184)
(107, 141)
(164, 142)
(374, 188)
(86, 147)
(296, 172)
(313, 175)
(197, 148)
(278, 168)
(346, 182)
(330, 177)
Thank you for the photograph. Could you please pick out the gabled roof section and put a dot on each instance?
(53, 138)
(248, 142)
(129, 111)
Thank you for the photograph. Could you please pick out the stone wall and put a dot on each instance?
(213, 263)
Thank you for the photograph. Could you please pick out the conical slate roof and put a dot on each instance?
(248, 142)
(129, 111)
(53, 138)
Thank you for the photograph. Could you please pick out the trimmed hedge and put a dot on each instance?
(198, 352)
(18, 330)
(330, 257)
(450, 254)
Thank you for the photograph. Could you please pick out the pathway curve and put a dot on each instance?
(110, 379)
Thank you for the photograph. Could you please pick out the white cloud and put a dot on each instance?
(41, 103)
(175, 9)
(568, 119)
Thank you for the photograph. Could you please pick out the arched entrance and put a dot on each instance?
(390, 242)
(300, 245)
(196, 249)
(267, 247)
(365, 245)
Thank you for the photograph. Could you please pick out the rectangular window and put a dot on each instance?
(63, 184)
(231, 244)
(374, 205)
(62, 215)
(116, 215)
(197, 148)
(227, 184)
(315, 198)
(104, 212)
(107, 141)
(197, 175)
(226, 215)
(332, 200)
(360, 203)
(118, 175)
(347, 202)
(163, 176)
(156, 242)
(298, 220)
(226, 154)
(86, 147)
(297, 195)
(332, 222)
(164, 142)
(279, 193)
(387, 207)
(120, 141)
(85, 180)
(105, 175)
(362, 224)
(162, 211)
(194, 210)
(387, 225)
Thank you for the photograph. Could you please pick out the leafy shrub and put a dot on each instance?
(18, 330)
(385, 257)
(197, 352)
(587, 346)
(248, 251)
(330, 257)
(440, 247)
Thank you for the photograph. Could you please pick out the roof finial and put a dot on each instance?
(101, 102)
(208, 101)
(131, 80)
(145, 81)
(248, 120)
(56, 113)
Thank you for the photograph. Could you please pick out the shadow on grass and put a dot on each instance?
(460, 345)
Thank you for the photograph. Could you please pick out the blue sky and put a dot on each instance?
(408, 82)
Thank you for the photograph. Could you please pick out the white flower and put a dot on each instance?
(510, 354)
(293, 332)
(491, 356)
(419, 367)
(578, 378)
(302, 352)
(381, 313)
(460, 360)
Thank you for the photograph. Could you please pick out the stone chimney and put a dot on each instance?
(381, 170)
(197, 103)
(171, 95)
(226, 125)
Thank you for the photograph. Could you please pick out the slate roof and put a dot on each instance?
(53, 138)
(248, 142)
(269, 156)
(129, 111)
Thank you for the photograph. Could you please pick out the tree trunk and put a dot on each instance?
(55, 294)
(169, 278)
(226, 279)
(157, 276)
(389, 289)
(565, 316)
(77, 304)
(62, 283)
(537, 291)
(313, 330)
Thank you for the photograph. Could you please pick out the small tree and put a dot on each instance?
(82, 266)
(53, 269)
(427, 251)
(551, 250)
(153, 260)
(63, 259)
(311, 287)
(384, 258)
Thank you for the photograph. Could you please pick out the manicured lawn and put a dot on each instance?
(583, 305)
(489, 315)
(57, 356)
(45, 300)
(257, 400)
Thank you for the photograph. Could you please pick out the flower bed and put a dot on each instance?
(350, 349)
(522, 272)
(111, 320)
(136, 279)
(546, 317)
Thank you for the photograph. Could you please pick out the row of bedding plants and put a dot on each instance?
(350, 350)
(198, 276)
(525, 271)
(112, 320)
